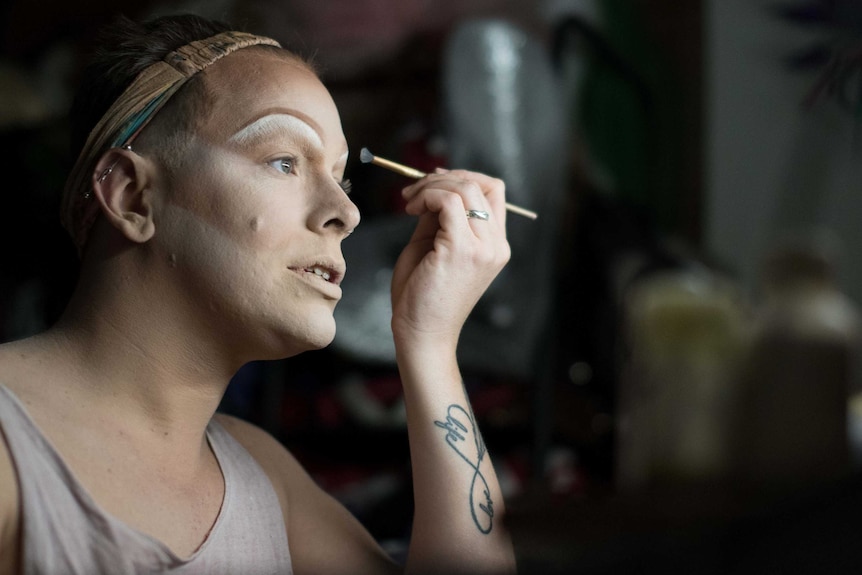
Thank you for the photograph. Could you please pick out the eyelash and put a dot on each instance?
(345, 184)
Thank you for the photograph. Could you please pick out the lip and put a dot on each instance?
(330, 287)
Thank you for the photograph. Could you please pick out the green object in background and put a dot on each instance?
(629, 115)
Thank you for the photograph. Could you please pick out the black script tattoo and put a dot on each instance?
(463, 436)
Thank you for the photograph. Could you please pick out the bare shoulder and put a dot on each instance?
(12, 355)
(25, 362)
(324, 536)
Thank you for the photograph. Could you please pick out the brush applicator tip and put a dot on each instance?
(367, 157)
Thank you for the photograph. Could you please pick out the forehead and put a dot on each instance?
(252, 84)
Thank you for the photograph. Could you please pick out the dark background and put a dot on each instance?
(633, 203)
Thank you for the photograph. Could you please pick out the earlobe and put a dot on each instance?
(121, 185)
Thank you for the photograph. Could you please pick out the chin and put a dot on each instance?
(285, 347)
(294, 331)
(321, 343)
(316, 336)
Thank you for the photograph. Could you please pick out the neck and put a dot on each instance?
(146, 389)
(140, 345)
(130, 353)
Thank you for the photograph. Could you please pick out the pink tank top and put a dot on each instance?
(65, 532)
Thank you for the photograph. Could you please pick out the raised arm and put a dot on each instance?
(457, 527)
(448, 264)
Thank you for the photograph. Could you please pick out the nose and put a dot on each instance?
(337, 213)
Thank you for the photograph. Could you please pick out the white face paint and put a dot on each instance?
(255, 222)
(279, 127)
(273, 125)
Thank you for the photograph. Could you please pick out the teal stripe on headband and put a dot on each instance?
(139, 120)
(120, 125)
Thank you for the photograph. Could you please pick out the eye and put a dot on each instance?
(346, 185)
(284, 165)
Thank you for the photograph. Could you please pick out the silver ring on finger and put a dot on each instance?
(478, 215)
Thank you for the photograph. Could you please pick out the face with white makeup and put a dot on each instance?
(251, 223)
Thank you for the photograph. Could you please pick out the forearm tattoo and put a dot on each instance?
(463, 436)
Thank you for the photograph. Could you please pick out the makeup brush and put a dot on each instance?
(367, 157)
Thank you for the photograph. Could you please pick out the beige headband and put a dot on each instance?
(131, 112)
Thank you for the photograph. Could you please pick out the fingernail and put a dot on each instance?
(441, 171)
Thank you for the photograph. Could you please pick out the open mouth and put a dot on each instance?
(321, 272)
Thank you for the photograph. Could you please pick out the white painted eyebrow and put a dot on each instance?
(273, 124)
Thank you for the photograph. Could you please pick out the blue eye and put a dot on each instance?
(283, 165)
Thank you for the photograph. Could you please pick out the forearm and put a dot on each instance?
(458, 523)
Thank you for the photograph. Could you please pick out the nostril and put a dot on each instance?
(335, 223)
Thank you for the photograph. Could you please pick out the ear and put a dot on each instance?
(122, 186)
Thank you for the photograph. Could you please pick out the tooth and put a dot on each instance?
(324, 274)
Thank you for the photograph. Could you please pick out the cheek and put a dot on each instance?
(226, 272)
(234, 207)
(221, 244)
(263, 230)
(236, 211)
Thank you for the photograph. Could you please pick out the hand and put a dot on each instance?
(450, 260)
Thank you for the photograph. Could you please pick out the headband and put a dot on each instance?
(131, 112)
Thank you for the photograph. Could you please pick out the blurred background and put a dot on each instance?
(666, 374)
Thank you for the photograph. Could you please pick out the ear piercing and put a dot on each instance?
(110, 168)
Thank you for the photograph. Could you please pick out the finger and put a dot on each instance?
(446, 204)
(494, 190)
(471, 196)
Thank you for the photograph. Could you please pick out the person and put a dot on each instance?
(208, 206)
